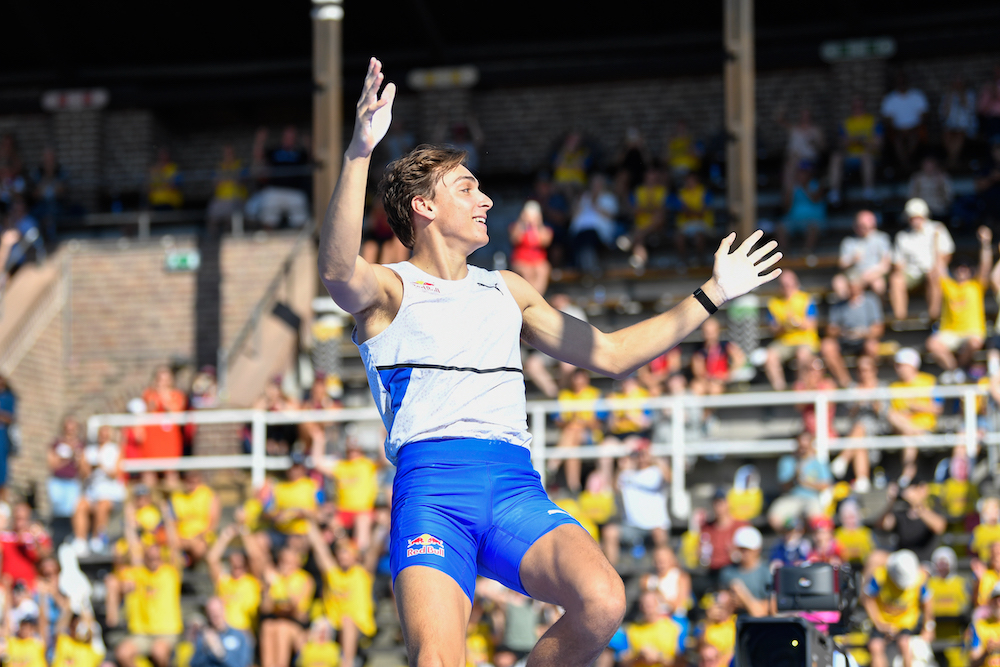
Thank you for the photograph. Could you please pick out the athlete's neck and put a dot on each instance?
(440, 261)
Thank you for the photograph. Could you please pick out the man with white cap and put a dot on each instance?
(750, 580)
(950, 595)
(912, 416)
(915, 255)
(894, 597)
(984, 635)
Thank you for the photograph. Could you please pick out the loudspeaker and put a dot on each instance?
(781, 642)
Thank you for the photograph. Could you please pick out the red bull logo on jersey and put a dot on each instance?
(426, 286)
(424, 545)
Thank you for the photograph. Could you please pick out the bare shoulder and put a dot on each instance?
(525, 295)
(382, 308)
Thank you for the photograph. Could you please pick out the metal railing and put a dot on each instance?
(675, 408)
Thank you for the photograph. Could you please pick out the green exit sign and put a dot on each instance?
(866, 48)
(183, 260)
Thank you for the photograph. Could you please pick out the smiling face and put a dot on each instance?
(457, 210)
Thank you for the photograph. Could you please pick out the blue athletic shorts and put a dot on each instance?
(468, 507)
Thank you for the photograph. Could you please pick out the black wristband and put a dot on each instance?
(705, 301)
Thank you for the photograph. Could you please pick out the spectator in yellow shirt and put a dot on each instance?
(855, 539)
(164, 179)
(293, 503)
(951, 598)
(319, 650)
(792, 318)
(287, 596)
(25, 649)
(196, 508)
(356, 477)
(988, 530)
(963, 311)
(74, 647)
(895, 597)
(157, 586)
(988, 574)
(578, 425)
(718, 628)
(347, 592)
(238, 589)
(654, 642)
(912, 416)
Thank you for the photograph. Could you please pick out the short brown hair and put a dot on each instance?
(414, 175)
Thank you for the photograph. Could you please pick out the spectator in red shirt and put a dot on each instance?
(718, 535)
(22, 548)
(713, 363)
(166, 440)
(825, 549)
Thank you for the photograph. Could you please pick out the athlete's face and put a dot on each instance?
(459, 207)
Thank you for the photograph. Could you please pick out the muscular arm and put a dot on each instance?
(353, 283)
(620, 353)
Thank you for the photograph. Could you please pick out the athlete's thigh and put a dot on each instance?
(567, 567)
(434, 613)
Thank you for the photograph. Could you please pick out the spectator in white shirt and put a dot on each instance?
(642, 481)
(866, 256)
(593, 224)
(914, 257)
(904, 109)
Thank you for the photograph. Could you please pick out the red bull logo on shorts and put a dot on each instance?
(424, 544)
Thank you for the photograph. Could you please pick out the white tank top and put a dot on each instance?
(449, 364)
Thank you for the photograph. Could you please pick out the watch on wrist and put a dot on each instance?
(705, 301)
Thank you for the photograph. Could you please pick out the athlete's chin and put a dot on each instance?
(481, 241)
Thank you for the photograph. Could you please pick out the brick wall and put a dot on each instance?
(40, 385)
(124, 316)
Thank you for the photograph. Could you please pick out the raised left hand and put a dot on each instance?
(738, 272)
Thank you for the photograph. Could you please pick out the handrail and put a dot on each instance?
(226, 356)
(677, 449)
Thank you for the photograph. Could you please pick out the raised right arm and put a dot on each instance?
(353, 283)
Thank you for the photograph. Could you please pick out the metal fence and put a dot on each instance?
(679, 446)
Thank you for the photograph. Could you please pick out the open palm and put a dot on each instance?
(739, 271)
(374, 114)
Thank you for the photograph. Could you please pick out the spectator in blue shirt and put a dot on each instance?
(8, 407)
(220, 645)
(807, 479)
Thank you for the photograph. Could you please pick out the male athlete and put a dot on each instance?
(439, 340)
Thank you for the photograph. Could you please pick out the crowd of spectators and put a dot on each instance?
(638, 199)
(299, 568)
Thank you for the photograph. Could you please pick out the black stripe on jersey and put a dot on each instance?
(502, 369)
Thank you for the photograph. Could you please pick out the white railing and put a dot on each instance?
(678, 448)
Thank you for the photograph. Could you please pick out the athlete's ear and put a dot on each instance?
(423, 207)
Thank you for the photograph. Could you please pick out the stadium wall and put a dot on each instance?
(124, 315)
(108, 152)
